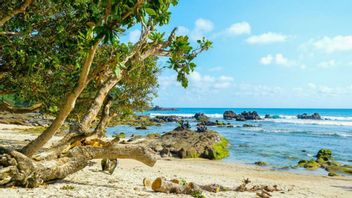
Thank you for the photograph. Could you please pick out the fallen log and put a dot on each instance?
(17, 169)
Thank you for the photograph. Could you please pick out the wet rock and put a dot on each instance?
(229, 115)
(314, 116)
(260, 163)
(201, 117)
(171, 118)
(141, 128)
(201, 128)
(251, 115)
(249, 125)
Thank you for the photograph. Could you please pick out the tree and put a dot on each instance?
(63, 45)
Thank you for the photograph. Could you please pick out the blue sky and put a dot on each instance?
(266, 53)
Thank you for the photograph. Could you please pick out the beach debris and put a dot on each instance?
(109, 165)
(177, 186)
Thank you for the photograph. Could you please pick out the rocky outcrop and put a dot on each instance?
(190, 144)
(325, 160)
(314, 116)
(250, 115)
(171, 118)
(229, 115)
(201, 117)
(158, 108)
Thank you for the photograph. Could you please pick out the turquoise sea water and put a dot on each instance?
(280, 142)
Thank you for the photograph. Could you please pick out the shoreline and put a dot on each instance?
(127, 179)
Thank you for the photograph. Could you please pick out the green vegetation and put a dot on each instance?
(120, 135)
(324, 159)
(67, 187)
(220, 149)
(197, 194)
(69, 57)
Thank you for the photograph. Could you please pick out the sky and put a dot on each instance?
(265, 54)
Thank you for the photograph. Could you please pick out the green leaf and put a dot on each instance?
(150, 11)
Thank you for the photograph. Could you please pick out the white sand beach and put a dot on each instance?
(127, 179)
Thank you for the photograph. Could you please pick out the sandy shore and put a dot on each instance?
(127, 179)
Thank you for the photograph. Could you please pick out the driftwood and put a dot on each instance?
(20, 170)
(4, 106)
(176, 186)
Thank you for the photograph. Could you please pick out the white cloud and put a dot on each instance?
(266, 60)
(327, 64)
(322, 90)
(334, 44)
(134, 36)
(281, 59)
(181, 30)
(202, 26)
(239, 29)
(278, 59)
(267, 38)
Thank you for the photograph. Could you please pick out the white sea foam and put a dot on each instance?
(187, 115)
(326, 120)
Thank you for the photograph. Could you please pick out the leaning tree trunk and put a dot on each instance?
(83, 131)
(95, 107)
(104, 118)
(17, 169)
(65, 109)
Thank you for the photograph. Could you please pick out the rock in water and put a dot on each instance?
(314, 116)
(229, 115)
(201, 117)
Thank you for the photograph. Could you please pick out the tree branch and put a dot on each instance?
(15, 12)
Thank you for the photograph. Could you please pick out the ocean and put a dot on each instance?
(280, 142)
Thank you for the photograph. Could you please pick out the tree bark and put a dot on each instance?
(66, 108)
(18, 169)
(95, 107)
(15, 12)
(104, 118)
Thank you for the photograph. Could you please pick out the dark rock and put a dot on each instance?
(260, 163)
(201, 117)
(229, 115)
(141, 128)
(158, 108)
(250, 115)
(267, 116)
(314, 116)
(171, 118)
(249, 126)
(240, 118)
(189, 144)
(201, 128)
